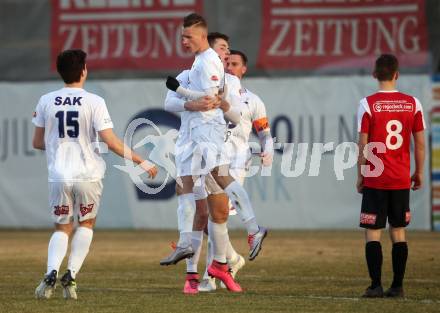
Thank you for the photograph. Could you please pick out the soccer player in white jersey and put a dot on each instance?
(205, 147)
(67, 122)
(253, 113)
(175, 103)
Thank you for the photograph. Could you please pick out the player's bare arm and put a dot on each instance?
(117, 146)
(419, 156)
(363, 141)
(38, 140)
(266, 142)
(202, 104)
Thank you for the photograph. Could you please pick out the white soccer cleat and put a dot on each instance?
(207, 285)
(47, 286)
(234, 268)
(177, 255)
(255, 242)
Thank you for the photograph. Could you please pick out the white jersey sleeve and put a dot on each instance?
(233, 85)
(175, 102)
(210, 75)
(259, 115)
(38, 118)
(259, 109)
(101, 117)
(363, 109)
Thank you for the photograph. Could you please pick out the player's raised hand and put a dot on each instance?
(266, 158)
(360, 184)
(416, 181)
(150, 168)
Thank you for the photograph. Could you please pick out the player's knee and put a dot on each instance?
(397, 234)
(200, 221)
(372, 235)
(220, 216)
(222, 181)
(66, 228)
(90, 223)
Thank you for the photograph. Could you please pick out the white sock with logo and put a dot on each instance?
(79, 249)
(231, 254)
(240, 200)
(219, 236)
(56, 250)
(209, 256)
(186, 210)
(191, 263)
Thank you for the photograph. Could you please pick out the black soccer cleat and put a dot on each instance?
(394, 292)
(47, 286)
(373, 292)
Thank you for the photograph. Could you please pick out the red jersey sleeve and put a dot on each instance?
(419, 121)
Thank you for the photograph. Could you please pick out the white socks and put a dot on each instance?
(219, 236)
(231, 254)
(240, 200)
(252, 226)
(79, 249)
(209, 256)
(56, 250)
(191, 263)
(186, 210)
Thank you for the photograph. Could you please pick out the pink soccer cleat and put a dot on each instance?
(191, 286)
(221, 272)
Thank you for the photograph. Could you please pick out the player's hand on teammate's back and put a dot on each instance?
(417, 181)
(202, 104)
(224, 105)
(172, 83)
(360, 184)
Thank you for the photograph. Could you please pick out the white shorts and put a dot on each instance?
(79, 199)
(213, 188)
(203, 152)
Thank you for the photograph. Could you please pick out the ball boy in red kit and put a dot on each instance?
(386, 121)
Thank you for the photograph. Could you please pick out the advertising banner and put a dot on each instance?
(335, 34)
(123, 34)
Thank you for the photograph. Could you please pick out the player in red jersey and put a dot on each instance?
(386, 121)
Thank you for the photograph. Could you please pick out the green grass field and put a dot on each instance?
(297, 271)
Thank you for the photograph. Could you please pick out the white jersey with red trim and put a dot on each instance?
(71, 118)
(253, 113)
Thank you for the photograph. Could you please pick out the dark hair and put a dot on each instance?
(386, 66)
(243, 56)
(212, 37)
(194, 19)
(70, 65)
